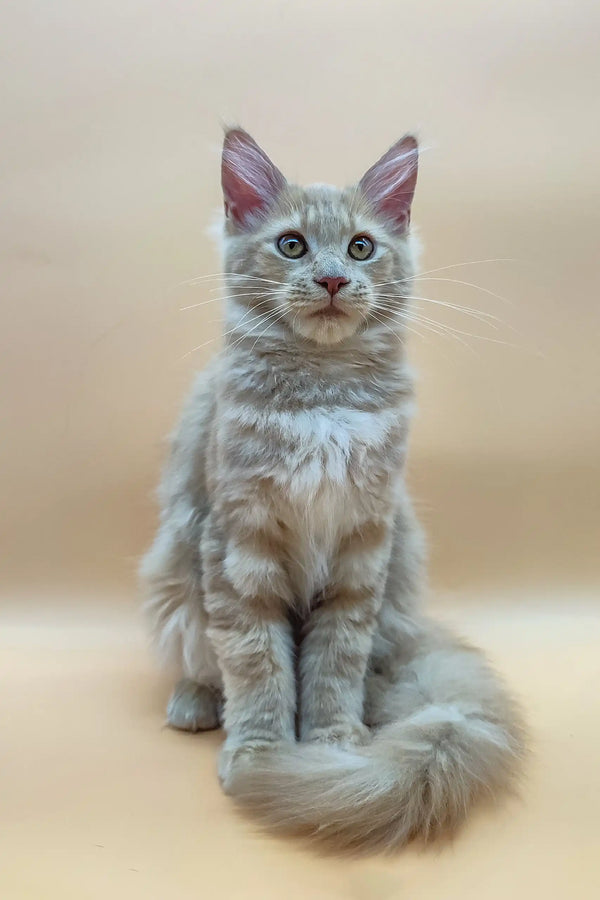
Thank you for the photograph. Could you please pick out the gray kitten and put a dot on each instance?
(284, 580)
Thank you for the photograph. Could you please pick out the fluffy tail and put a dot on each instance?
(458, 737)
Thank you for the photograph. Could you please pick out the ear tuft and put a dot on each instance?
(389, 185)
(251, 182)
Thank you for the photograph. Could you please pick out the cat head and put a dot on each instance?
(320, 261)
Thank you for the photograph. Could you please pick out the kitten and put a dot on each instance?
(284, 580)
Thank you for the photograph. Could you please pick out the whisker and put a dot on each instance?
(258, 288)
(243, 320)
(272, 322)
(260, 316)
(196, 278)
(202, 303)
(225, 275)
(451, 330)
(232, 297)
(270, 318)
(429, 325)
(441, 330)
(381, 317)
(481, 315)
(468, 284)
(436, 328)
(471, 262)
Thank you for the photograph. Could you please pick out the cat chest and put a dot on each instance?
(328, 456)
(332, 477)
(323, 466)
(325, 473)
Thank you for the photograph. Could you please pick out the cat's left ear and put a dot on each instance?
(251, 182)
(389, 185)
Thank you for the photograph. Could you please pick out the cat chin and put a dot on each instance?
(327, 331)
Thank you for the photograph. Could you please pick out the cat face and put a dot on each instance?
(322, 262)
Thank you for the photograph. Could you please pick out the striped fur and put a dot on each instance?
(286, 572)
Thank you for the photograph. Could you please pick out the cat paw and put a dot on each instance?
(194, 707)
(346, 734)
(234, 755)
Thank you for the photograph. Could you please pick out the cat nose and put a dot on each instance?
(332, 284)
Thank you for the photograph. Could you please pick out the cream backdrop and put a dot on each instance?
(110, 178)
(111, 124)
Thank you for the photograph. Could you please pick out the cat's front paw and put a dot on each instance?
(345, 734)
(235, 755)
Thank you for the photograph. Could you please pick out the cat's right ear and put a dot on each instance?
(251, 183)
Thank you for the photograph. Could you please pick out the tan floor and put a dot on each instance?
(99, 801)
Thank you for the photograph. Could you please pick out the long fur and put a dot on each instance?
(458, 738)
(285, 578)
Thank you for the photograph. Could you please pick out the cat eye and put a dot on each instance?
(292, 245)
(361, 247)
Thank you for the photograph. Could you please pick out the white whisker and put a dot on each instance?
(382, 318)
(480, 315)
(243, 320)
(471, 262)
(272, 322)
(468, 284)
(270, 293)
(223, 276)
(257, 288)
(453, 331)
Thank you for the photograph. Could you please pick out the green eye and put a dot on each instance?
(361, 247)
(292, 245)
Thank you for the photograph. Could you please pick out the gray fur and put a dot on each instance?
(286, 530)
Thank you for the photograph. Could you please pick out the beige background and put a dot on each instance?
(111, 119)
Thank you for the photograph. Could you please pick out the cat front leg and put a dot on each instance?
(246, 595)
(338, 640)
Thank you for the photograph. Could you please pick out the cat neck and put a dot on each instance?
(369, 369)
(377, 347)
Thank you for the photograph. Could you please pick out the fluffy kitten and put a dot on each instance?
(284, 579)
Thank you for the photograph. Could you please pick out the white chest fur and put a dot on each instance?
(324, 480)
(323, 442)
(323, 465)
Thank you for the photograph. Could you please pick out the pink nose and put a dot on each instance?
(332, 284)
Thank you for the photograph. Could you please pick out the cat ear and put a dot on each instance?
(389, 185)
(250, 181)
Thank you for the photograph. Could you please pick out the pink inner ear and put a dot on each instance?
(250, 180)
(390, 184)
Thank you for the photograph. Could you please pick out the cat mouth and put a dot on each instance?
(331, 311)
